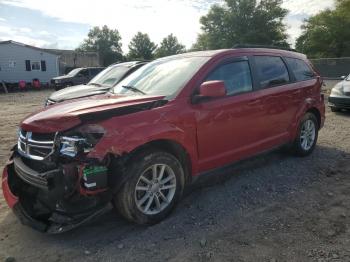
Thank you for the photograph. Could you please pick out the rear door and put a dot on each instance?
(279, 97)
(303, 76)
(228, 128)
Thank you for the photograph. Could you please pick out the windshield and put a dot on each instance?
(110, 76)
(161, 77)
(74, 72)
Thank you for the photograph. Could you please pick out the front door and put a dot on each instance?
(228, 128)
(82, 77)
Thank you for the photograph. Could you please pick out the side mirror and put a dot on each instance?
(212, 89)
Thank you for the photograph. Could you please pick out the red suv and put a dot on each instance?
(139, 145)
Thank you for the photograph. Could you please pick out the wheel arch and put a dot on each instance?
(174, 148)
(316, 113)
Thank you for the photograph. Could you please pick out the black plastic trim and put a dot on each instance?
(32, 177)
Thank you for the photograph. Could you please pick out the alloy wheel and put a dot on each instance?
(155, 189)
(307, 135)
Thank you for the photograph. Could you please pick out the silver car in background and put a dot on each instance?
(340, 95)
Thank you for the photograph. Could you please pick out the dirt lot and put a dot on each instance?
(274, 207)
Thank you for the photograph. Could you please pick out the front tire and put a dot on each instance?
(154, 187)
(306, 139)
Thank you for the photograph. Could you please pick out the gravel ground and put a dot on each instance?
(274, 207)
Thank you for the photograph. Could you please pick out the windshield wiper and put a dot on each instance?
(95, 84)
(134, 89)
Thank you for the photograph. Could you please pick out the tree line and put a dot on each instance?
(236, 22)
(107, 42)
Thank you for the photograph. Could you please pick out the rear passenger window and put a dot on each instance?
(84, 72)
(271, 71)
(300, 69)
(236, 75)
(95, 71)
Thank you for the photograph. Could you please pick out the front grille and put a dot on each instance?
(34, 145)
(28, 175)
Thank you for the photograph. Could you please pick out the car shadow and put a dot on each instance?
(244, 185)
(345, 113)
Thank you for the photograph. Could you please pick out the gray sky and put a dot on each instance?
(65, 23)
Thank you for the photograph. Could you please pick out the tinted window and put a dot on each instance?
(236, 76)
(271, 71)
(300, 69)
(84, 72)
(95, 71)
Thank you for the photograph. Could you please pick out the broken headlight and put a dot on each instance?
(71, 146)
(81, 140)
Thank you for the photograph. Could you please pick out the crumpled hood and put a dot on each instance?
(78, 91)
(66, 115)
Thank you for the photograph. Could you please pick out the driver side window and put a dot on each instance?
(236, 75)
(84, 73)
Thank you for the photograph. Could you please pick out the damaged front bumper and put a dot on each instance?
(53, 201)
(54, 227)
(342, 102)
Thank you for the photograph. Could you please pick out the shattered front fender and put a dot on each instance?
(124, 134)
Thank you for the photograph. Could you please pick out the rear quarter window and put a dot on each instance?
(300, 69)
(271, 71)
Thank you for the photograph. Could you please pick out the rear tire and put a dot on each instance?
(307, 135)
(155, 185)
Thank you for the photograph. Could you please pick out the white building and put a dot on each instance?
(24, 62)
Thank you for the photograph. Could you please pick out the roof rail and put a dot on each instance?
(263, 46)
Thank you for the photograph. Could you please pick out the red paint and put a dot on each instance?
(10, 198)
(212, 89)
(216, 132)
(22, 84)
(65, 115)
(36, 83)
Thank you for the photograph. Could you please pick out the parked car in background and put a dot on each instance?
(340, 95)
(77, 76)
(175, 118)
(100, 84)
